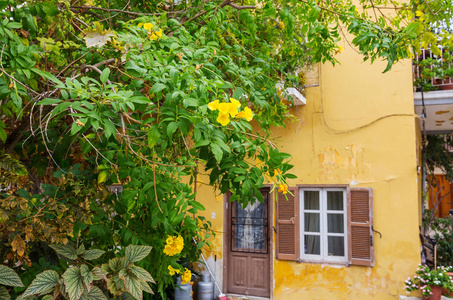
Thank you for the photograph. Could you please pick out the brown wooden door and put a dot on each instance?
(248, 260)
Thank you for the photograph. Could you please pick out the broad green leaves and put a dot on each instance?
(74, 283)
(4, 295)
(78, 282)
(92, 254)
(65, 250)
(71, 253)
(43, 283)
(137, 253)
(105, 75)
(8, 277)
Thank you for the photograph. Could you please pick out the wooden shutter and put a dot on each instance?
(360, 222)
(287, 225)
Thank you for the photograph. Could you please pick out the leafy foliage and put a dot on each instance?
(9, 277)
(98, 96)
(78, 282)
(443, 235)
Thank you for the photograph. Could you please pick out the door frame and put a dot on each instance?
(227, 234)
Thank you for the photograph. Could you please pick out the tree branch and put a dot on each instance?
(123, 11)
(238, 7)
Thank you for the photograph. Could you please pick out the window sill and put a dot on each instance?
(330, 263)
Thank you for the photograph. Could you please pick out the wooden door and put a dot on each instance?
(248, 248)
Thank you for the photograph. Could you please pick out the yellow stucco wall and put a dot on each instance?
(358, 128)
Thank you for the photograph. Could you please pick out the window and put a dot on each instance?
(331, 224)
(323, 224)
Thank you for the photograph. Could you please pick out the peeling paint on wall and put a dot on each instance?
(350, 159)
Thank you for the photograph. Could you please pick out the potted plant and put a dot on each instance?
(430, 282)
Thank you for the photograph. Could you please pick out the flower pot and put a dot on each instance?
(436, 293)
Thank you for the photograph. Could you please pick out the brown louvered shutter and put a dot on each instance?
(360, 222)
(287, 225)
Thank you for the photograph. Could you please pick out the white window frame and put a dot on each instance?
(323, 256)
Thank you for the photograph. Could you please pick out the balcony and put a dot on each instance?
(434, 73)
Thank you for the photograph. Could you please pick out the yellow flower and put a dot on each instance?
(232, 109)
(246, 114)
(140, 25)
(283, 188)
(186, 276)
(159, 33)
(172, 271)
(340, 49)
(224, 107)
(223, 118)
(278, 172)
(213, 105)
(282, 25)
(235, 102)
(148, 26)
(153, 37)
(168, 250)
(174, 245)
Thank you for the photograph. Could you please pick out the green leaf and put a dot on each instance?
(146, 287)
(217, 151)
(64, 250)
(3, 134)
(98, 272)
(87, 276)
(197, 205)
(115, 285)
(96, 294)
(49, 101)
(171, 128)
(153, 136)
(43, 283)
(93, 253)
(133, 285)
(157, 87)
(49, 8)
(174, 75)
(47, 297)
(105, 75)
(141, 273)
(81, 250)
(103, 175)
(4, 295)
(109, 128)
(13, 25)
(49, 76)
(73, 282)
(117, 263)
(137, 253)
(9, 277)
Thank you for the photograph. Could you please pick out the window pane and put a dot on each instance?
(335, 223)
(312, 244)
(311, 222)
(249, 227)
(334, 200)
(311, 200)
(336, 245)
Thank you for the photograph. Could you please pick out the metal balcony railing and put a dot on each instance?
(434, 72)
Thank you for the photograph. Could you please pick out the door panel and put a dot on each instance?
(239, 270)
(248, 257)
